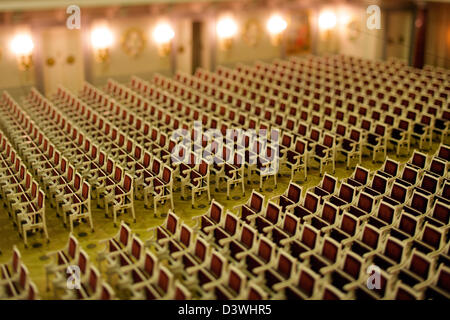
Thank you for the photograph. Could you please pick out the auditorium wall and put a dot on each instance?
(437, 51)
(121, 63)
(251, 42)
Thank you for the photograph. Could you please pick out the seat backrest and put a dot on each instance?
(352, 265)
(272, 212)
(419, 264)
(361, 175)
(215, 211)
(429, 183)
(348, 224)
(432, 235)
(365, 202)
(346, 192)
(329, 183)
(265, 249)
(419, 202)
(329, 212)
(307, 281)
(379, 183)
(407, 223)
(441, 212)
(231, 223)
(256, 201)
(311, 202)
(418, 159)
(330, 249)
(172, 222)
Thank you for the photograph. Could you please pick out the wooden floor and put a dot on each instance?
(34, 256)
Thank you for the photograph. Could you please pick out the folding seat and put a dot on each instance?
(290, 197)
(404, 292)
(345, 272)
(408, 177)
(297, 157)
(376, 141)
(325, 152)
(78, 208)
(417, 205)
(438, 287)
(443, 153)
(281, 269)
(389, 170)
(439, 214)
(264, 221)
(309, 206)
(121, 198)
(31, 217)
(363, 207)
(162, 188)
(405, 228)
(227, 228)
(303, 285)
(166, 231)
(326, 187)
(392, 255)
(264, 163)
(401, 136)
(359, 178)
(125, 260)
(285, 144)
(229, 287)
(430, 241)
(418, 160)
(428, 185)
(198, 181)
(262, 254)
(343, 197)
(351, 146)
(253, 206)
(442, 124)
(438, 168)
(417, 270)
(423, 130)
(159, 286)
(234, 172)
(284, 230)
(344, 227)
(194, 256)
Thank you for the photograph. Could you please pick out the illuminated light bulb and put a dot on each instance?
(22, 45)
(276, 24)
(327, 20)
(102, 38)
(163, 33)
(226, 28)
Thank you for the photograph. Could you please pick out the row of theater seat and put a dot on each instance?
(300, 249)
(64, 185)
(21, 194)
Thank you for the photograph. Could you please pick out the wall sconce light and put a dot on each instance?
(327, 20)
(163, 35)
(276, 26)
(102, 40)
(226, 29)
(22, 46)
